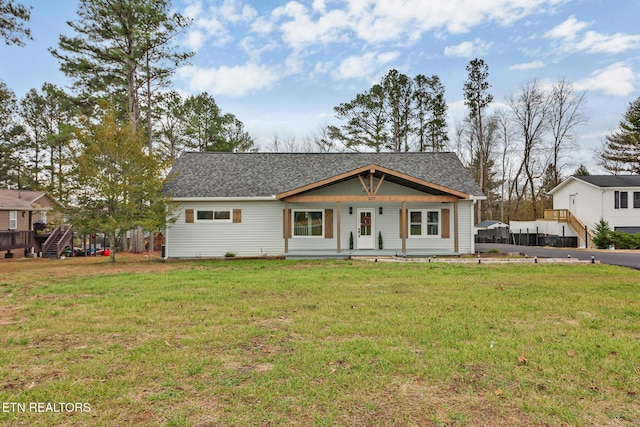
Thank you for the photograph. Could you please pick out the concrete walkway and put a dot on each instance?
(613, 257)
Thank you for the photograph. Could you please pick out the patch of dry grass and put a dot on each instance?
(319, 343)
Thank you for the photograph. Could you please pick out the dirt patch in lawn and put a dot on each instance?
(23, 270)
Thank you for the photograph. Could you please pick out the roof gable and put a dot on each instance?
(209, 175)
(24, 200)
(374, 170)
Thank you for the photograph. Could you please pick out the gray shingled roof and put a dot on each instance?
(206, 174)
(611, 180)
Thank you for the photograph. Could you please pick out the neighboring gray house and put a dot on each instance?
(320, 204)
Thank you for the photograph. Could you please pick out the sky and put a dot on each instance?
(281, 66)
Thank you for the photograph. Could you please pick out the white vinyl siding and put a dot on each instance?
(259, 232)
(594, 203)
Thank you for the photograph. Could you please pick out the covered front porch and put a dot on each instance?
(354, 213)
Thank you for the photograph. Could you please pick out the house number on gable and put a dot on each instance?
(372, 198)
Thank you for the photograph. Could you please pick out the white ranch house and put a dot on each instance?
(320, 204)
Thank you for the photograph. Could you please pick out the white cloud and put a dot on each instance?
(194, 39)
(567, 30)
(468, 49)
(379, 21)
(355, 66)
(300, 28)
(572, 38)
(363, 65)
(387, 57)
(212, 25)
(599, 43)
(230, 81)
(234, 11)
(527, 66)
(617, 80)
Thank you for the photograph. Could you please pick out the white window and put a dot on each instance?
(308, 224)
(13, 220)
(223, 216)
(424, 223)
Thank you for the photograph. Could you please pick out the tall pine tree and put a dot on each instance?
(621, 151)
(477, 98)
(122, 51)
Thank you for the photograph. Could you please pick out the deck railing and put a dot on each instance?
(59, 238)
(13, 239)
(564, 215)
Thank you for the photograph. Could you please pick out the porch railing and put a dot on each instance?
(13, 239)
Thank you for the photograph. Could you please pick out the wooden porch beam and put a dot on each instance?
(338, 226)
(376, 199)
(379, 184)
(455, 226)
(364, 185)
(287, 227)
(405, 228)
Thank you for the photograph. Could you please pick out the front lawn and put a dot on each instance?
(320, 343)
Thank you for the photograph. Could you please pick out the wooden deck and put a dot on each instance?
(14, 239)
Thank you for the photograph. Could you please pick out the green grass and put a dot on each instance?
(325, 343)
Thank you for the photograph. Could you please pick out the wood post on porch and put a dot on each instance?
(338, 235)
(455, 226)
(286, 226)
(403, 226)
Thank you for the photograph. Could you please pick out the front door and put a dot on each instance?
(366, 238)
(573, 208)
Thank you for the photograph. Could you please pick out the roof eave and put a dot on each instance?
(224, 199)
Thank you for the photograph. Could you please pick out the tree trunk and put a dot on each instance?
(112, 255)
(137, 241)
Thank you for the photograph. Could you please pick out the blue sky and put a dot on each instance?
(281, 66)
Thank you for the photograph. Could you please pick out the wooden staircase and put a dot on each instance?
(57, 241)
(565, 216)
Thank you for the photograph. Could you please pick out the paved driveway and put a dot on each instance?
(622, 258)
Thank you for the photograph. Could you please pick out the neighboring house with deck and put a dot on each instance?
(24, 221)
(579, 202)
(320, 204)
(614, 198)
